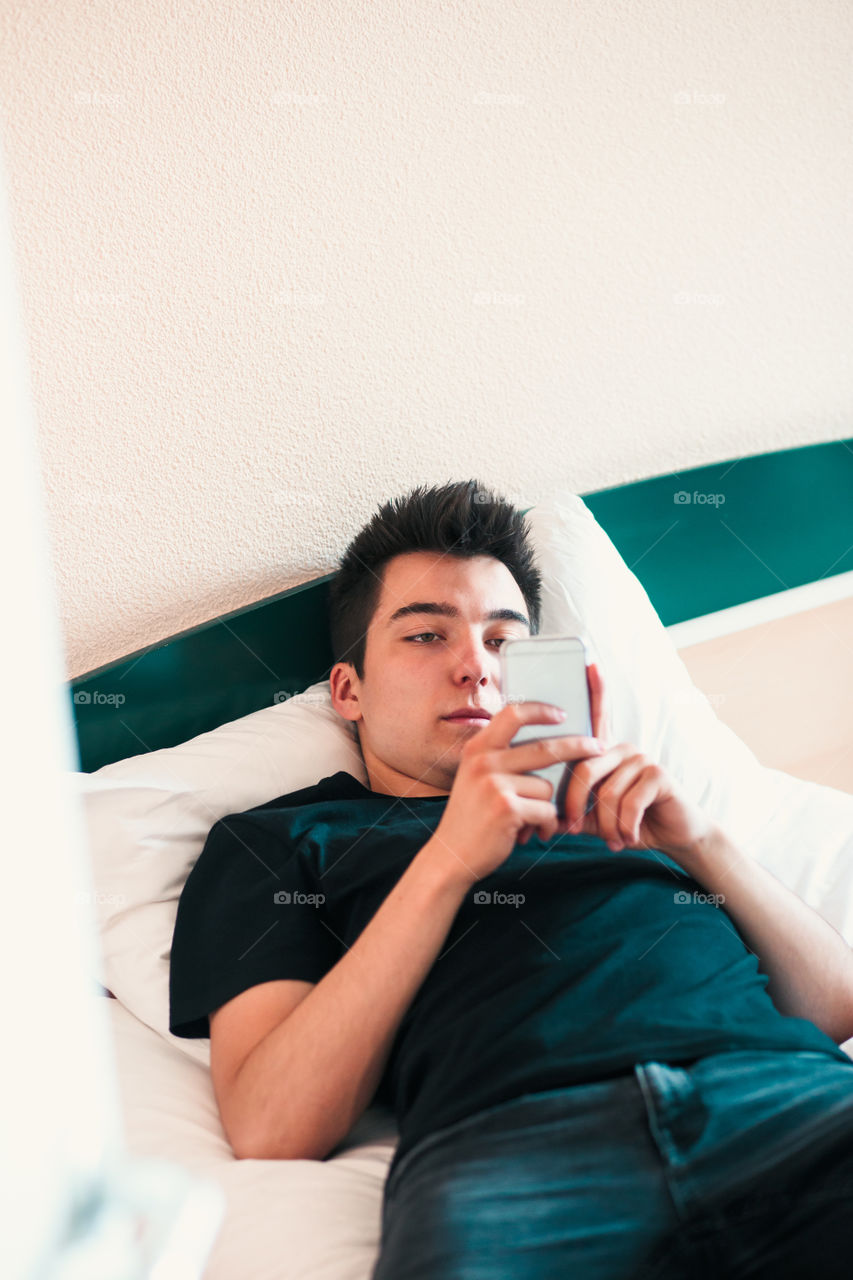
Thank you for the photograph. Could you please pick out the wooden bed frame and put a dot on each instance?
(747, 528)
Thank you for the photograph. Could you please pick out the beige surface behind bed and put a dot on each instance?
(786, 688)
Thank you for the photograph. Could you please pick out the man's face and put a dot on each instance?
(420, 667)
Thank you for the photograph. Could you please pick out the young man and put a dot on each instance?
(611, 1043)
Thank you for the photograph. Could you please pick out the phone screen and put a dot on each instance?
(549, 669)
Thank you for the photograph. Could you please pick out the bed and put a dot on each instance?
(237, 712)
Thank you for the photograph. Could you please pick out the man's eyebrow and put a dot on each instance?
(440, 608)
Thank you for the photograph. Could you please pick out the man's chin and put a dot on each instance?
(442, 773)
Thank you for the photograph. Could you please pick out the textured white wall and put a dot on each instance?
(279, 262)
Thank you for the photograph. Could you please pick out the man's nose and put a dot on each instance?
(473, 660)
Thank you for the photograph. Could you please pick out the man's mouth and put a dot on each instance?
(467, 719)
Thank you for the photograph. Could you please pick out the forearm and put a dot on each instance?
(808, 963)
(304, 1086)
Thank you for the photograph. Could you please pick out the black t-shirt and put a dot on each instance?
(608, 959)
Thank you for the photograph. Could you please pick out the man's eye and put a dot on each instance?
(496, 640)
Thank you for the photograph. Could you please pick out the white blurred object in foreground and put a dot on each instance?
(74, 1205)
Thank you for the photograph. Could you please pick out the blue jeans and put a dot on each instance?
(735, 1165)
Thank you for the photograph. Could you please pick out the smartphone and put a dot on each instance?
(549, 669)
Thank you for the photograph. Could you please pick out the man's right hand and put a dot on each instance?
(494, 796)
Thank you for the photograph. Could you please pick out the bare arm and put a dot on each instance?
(639, 806)
(303, 1087)
(808, 963)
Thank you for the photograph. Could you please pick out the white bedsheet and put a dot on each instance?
(285, 1219)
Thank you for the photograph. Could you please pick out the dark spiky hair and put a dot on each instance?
(462, 519)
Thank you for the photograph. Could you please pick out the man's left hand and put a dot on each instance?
(637, 803)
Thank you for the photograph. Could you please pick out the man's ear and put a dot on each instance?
(342, 686)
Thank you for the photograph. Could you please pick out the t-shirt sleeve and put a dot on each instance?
(250, 912)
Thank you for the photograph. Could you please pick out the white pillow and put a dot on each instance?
(801, 831)
(148, 816)
(312, 1219)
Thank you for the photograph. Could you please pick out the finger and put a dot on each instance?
(593, 685)
(604, 711)
(616, 816)
(539, 753)
(586, 775)
(503, 726)
(597, 702)
(636, 801)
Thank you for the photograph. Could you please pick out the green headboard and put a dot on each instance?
(786, 519)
